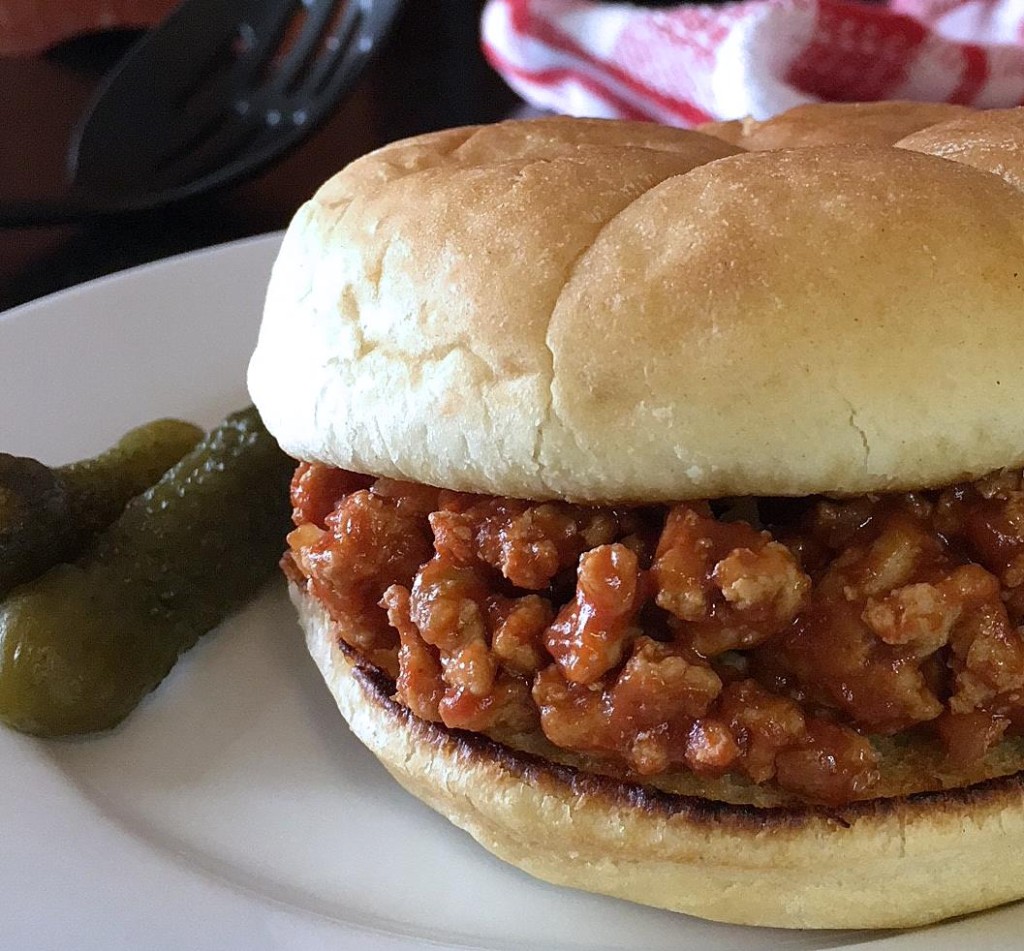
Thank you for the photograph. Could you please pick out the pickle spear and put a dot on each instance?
(83, 644)
(99, 488)
(34, 514)
(49, 515)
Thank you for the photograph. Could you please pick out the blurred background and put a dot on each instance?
(429, 74)
(250, 78)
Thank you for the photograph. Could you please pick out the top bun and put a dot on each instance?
(835, 123)
(992, 141)
(612, 312)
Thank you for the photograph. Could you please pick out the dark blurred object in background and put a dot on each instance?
(431, 75)
(32, 26)
(210, 96)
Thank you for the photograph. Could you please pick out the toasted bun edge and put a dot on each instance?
(890, 863)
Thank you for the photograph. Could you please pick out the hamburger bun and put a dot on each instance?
(504, 319)
(619, 314)
(883, 863)
(992, 141)
(834, 123)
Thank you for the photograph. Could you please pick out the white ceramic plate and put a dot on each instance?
(234, 809)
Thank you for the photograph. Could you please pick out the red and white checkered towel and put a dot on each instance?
(687, 64)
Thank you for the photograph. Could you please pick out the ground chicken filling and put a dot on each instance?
(764, 638)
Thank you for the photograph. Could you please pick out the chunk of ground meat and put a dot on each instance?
(448, 606)
(660, 684)
(650, 713)
(367, 544)
(733, 587)
(837, 661)
(922, 616)
(591, 633)
(833, 764)
(987, 659)
(315, 490)
(519, 625)
(529, 544)
(968, 736)
(419, 685)
(572, 715)
(711, 749)
(873, 620)
(763, 724)
(508, 706)
(447, 671)
(900, 549)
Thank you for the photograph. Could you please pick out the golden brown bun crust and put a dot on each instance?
(516, 311)
(992, 141)
(876, 864)
(834, 123)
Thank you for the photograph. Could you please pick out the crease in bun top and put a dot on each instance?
(659, 511)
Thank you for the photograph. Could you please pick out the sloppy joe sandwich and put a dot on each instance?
(659, 506)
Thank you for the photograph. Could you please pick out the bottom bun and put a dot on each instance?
(881, 863)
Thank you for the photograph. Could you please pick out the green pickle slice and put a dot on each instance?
(34, 517)
(83, 644)
(99, 488)
(49, 515)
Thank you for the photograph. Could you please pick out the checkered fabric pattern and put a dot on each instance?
(688, 64)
